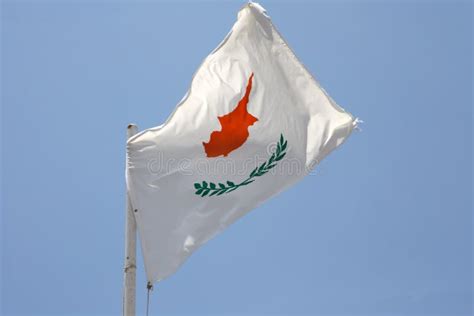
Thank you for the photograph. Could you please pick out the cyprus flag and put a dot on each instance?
(253, 122)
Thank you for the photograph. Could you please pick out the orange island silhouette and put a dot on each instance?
(234, 132)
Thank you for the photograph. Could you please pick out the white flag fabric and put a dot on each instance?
(253, 123)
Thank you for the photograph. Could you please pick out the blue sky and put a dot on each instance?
(384, 227)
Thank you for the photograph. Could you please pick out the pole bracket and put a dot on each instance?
(130, 267)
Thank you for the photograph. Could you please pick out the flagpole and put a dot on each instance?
(129, 295)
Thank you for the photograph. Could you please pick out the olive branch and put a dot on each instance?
(204, 188)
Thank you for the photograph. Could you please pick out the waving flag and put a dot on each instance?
(253, 123)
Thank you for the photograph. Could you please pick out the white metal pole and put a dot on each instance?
(130, 250)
